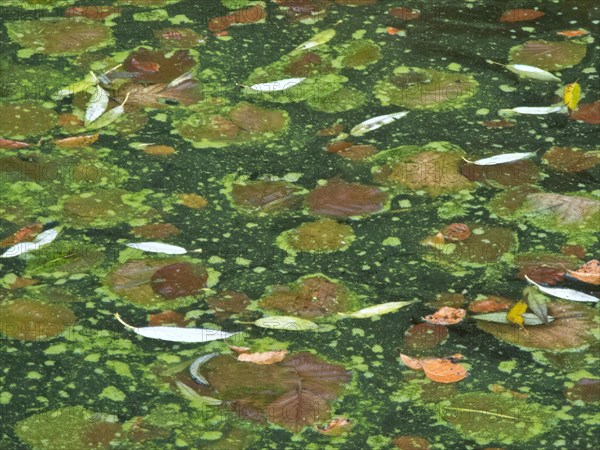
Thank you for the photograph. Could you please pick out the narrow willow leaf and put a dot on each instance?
(566, 294)
(44, 238)
(194, 397)
(532, 72)
(376, 310)
(503, 159)
(177, 334)
(536, 302)
(108, 117)
(286, 323)
(539, 110)
(79, 86)
(279, 85)
(376, 122)
(571, 95)
(158, 247)
(198, 362)
(96, 105)
(180, 79)
(318, 39)
(500, 317)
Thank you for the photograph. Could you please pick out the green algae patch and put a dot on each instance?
(433, 168)
(416, 88)
(548, 55)
(311, 296)
(321, 236)
(208, 125)
(69, 428)
(104, 208)
(28, 320)
(60, 37)
(37, 4)
(113, 393)
(357, 54)
(487, 418)
(26, 120)
(22, 82)
(341, 100)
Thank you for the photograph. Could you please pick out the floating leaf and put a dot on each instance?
(158, 247)
(155, 67)
(108, 117)
(376, 310)
(28, 320)
(571, 159)
(440, 370)
(341, 199)
(490, 304)
(376, 122)
(588, 273)
(271, 357)
(97, 105)
(503, 159)
(288, 323)
(279, 85)
(573, 33)
(318, 39)
(9, 143)
(532, 72)
(41, 239)
(566, 294)
(446, 316)
(568, 210)
(176, 334)
(456, 232)
(336, 427)
(515, 314)
(179, 280)
(79, 86)
(588, 113)
(500, 317)
(536, 303)
(539, 110)
(411, 363)
(548, 55)
(521, 15)
(191, 395)
(77, 141)
(571, 95)
(27, 234)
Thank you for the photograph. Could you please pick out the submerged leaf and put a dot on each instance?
(318, 39)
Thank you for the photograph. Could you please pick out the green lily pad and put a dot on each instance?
(28, 320)
(325, 235)
(60, 36)
(487, 418)
(26, 120)
(416, 88)
(548, 55)
(65, 258)
(343, 99)
(358, 54)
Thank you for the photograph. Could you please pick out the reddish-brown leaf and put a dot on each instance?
(168, 317)
(411, 363)
(490, 304)
(155, 67)
(443, 370)
(25, 234)
(405, 13)
(521, 15)
(446, 316)
(588, 113)
(77, 141)
(9, 143)
(588, 273)
(336, 427)
(456, 232)
(92, 12)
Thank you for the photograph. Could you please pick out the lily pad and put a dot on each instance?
(568, 159)
(60, 36)
(563, 211)
(496, 418)
(28, 320)
(586, 390)
(256, 119)
(358, 54)
(65, 258)
(178, 37)
(265, 196)
(310, 297)
(322, 236)
(548, 55)
(69, 428)
(416, 88)
(228, 303)
(26, 120)
(341, 199)
(178, 280)
(343, 99)
(155, 67)
(572, 328)
(511, 174)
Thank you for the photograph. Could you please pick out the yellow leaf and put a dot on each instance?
(515, 315)
(571, 95)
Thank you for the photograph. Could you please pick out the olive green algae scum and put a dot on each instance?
(283, 227)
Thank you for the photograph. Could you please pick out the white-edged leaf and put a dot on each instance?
(318, 39)
(376, 310)
(500, 317)
(158, 247)
(503, 159)
(96, 105)
(178, 334)
(286, 323)
(532, 72)
(194, 397)
(540, 110)
(108, 117)
(44, 238)
(279, 85)
(376, 122)
(180, 79)
(564, 293)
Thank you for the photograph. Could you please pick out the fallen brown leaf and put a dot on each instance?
(440, 370)
(588, 273)
(77, 141)
(263, 357)
(446, 316)
(337, 426)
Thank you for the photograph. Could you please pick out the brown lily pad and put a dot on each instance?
(228, 303)
(588, 113)
(565, 210)
(60, 36)
(307, 64)
(521, 15)
(256, 119)
(511, 174)
(544, 268)
(28, 320)
(548, 55)
(424, 336)
(411, 443)
(25, 120)
(568, 159)
(310, 297)
(347, 149)
(155, 67)
(341, 199)
(179, 280)
(178, 37)
(97, 12)
(156, 231)
(265, 196)
(572, 328)
(586, 390)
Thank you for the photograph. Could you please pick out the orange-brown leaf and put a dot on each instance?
(446, 316)
(337, 426)
(239, 350)
(263, 357)
(588, 273)
(443, 370)
(573, 33)
(9, 143)
(411, 363)
(24, 234)
(77, 141)
(521, 15)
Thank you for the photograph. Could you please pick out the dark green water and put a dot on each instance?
(72, 377)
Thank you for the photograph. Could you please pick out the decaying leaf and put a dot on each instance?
(77, 141)
(9, 143)
(412, 363)
(377, 310)
(446, 316)
(336, 427)
(271, 357)
(588, 273)
(24, 234)
(440, 370)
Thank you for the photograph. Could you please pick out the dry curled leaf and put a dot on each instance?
(411, 363)
(440, 370)
(456, 232)
(337, 426)
(588, 273)
(263, 357)
(446, 316)
(239, 350)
